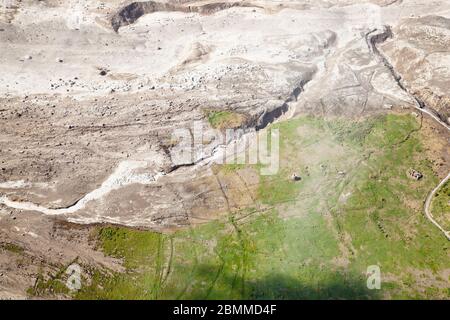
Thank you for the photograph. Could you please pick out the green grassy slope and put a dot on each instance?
(440, 206)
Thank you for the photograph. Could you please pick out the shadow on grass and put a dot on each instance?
(326, 285)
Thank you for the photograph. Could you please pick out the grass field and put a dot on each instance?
(224, 119)
(440, 207)
(354, 207)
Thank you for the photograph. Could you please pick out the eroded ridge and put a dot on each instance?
(132, 12)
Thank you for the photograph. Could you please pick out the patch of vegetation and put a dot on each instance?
(131, 245)
(224, 119)
(11, 247)
(353, 133)
(440, 207)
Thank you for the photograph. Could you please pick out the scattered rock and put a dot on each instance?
(414, 174)
(27, 57)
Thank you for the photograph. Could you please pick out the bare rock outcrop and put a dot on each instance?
(419, 52)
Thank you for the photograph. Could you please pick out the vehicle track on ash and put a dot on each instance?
(373, 38)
